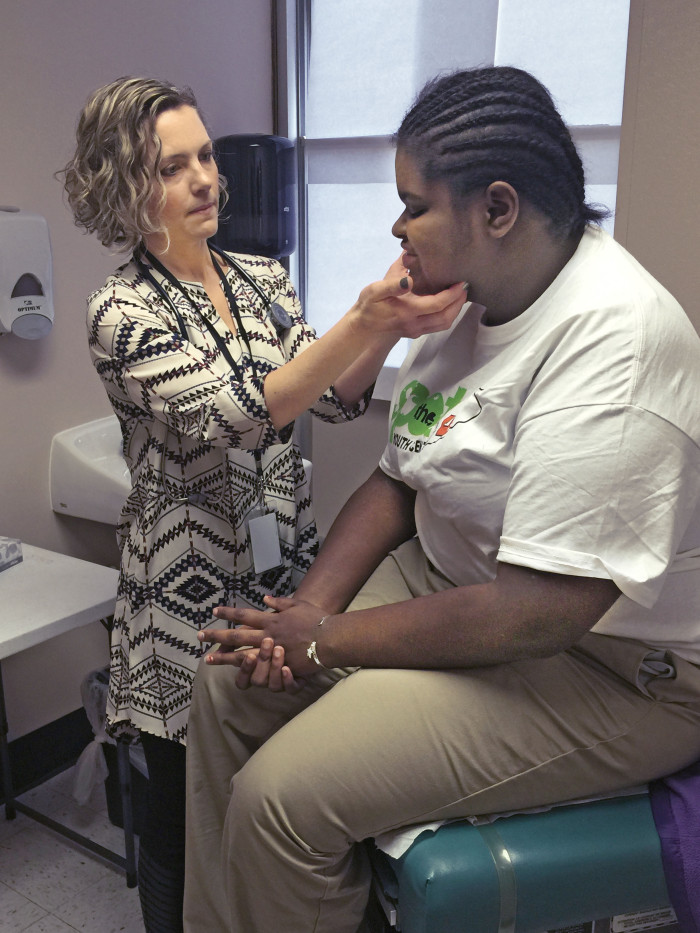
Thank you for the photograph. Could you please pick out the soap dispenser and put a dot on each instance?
(26, 298)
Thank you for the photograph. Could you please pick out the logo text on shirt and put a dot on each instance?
(425, 415)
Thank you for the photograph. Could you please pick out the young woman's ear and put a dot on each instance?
(502, 206)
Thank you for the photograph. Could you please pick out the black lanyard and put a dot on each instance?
(218, 339)
(232, 303)
(278, 315)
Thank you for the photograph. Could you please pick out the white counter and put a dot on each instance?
(47, 594)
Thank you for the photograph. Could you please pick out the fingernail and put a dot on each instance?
(465, 286)
(404, 282)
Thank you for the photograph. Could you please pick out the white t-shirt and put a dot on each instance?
(566, 440)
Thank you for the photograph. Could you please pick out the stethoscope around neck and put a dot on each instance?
(278, 315)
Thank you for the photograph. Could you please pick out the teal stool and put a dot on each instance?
(527, 873)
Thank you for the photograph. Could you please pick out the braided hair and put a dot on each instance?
(471, 128)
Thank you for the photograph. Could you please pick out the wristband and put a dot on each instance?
(311, 652)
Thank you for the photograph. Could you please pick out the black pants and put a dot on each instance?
(161, 869)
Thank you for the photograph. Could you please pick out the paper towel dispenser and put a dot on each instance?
(26, 298)
(260, 214)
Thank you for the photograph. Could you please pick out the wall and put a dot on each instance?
(656, 218)
(659, 181)
(53, 53)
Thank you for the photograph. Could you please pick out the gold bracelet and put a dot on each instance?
(311, 653)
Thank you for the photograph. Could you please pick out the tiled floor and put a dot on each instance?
(49, 885)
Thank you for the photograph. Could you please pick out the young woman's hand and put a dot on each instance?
(265, 667)
(257, 636)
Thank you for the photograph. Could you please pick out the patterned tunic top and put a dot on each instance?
(190, 430)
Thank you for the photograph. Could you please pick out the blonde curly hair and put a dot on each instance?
(110, 181)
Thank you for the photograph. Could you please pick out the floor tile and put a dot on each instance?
(94, 824)
(16, 911)
(50, 885)
(8, 828)
(47, 868)
(51, 924)
(110, 908)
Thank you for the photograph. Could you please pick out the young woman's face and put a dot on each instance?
(437, 233)
(189, 175)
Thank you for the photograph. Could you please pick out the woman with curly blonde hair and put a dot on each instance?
(207, 361)
(113, 164)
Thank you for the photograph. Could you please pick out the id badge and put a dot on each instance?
(264, 542)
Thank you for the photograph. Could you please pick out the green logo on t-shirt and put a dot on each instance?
(420, 412)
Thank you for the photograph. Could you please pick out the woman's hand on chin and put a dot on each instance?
(390, 306)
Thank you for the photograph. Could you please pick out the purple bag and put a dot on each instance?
(675, 804)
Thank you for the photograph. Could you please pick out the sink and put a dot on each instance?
(88, 475)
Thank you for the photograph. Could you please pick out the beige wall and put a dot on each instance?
(657, 216)
(659, 181)
(51, 56)
(343, 456)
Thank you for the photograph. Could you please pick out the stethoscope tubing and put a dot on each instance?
(283, 324)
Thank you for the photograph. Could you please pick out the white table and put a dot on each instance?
(46, 595)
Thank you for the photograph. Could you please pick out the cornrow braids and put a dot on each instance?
(471, 128)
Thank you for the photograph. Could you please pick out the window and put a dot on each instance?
(363, 63)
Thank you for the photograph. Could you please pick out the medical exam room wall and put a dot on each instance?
(657, 216)
(52, 55)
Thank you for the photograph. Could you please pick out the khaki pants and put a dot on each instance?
(281, 788)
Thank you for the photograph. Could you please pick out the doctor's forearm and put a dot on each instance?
(293, 388)
(352, 384)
